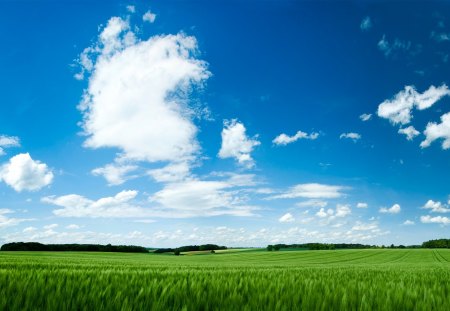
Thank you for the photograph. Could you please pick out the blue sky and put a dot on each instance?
(164, 123)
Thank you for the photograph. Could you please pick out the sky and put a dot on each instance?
(239, 123)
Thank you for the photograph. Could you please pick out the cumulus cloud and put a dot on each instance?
(284, 139)
(149, 17)
(362, 205)
(115, 174)
(236, 144)
(342, 210)
(398, 109)
(408, 222)
(287, 218)
(8, 142)
(354, 136)
(322, 213)
(436, 131)
(366, 23)
(409, 131)
(131, 8)
(435, 220)
(23, 173)
(311, 191)
(365, 117)
(394, 209)
(436, 207)
(137, 99)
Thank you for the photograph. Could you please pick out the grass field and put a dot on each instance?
(391, 279)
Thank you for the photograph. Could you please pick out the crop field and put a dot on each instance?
(389, 279)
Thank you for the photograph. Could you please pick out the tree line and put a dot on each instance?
(190, 248)
(441, 243)
(34, 246)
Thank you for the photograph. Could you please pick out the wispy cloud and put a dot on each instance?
(366, 24)
(284, 139)
(351, 135)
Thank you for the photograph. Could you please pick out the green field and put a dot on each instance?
(390, 279)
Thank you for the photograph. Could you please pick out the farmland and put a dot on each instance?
(372, 279)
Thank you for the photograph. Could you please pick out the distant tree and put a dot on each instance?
(270, 248)
(176, 252)
(213, 251)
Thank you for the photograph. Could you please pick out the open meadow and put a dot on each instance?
(373, 279)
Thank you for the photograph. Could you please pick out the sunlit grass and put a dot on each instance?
(247, 280)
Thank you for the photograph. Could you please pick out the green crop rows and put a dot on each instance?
(411, 279)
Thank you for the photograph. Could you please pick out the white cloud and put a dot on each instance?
(236, 144)
(137, 99)
(29, 229)
(312, 203)
(366, 23)
(311, 191)
(115, 173)
(365, 117)
(398, 46)
(149, 17)
(284, 139)
(408, 222)
(287, 218)
(202, 198)
(436, 131)
(359, 226)
(189, 198)
(343, 210)
(362, 205)
(74, 205)
(322, 213)
(436, 207)
(398, 109)
(354, 136)
(171, 173)
(24, 173)
(436, 220)
(131, 8)
(223, 235)
(394, 209)
(8, 142)
(409, 131)
(6, 221)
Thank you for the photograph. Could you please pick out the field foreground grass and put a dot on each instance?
(397, 279)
